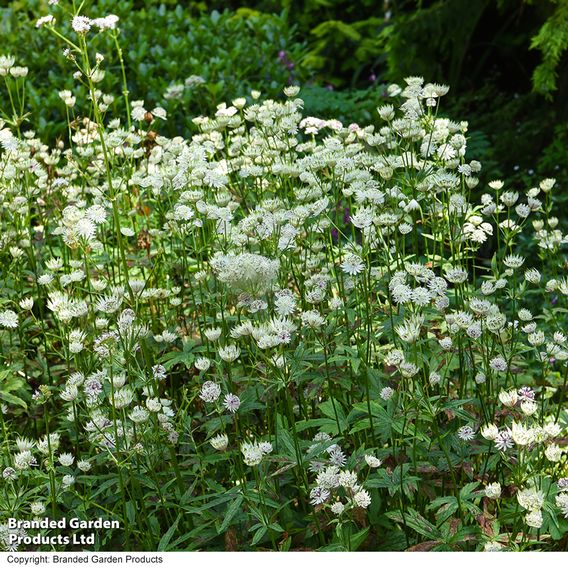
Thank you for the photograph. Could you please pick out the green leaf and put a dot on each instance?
(259, 535)
(417, 522)
(12, 399)
(164, 541)
(232, 510)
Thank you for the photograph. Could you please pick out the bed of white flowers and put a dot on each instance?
(284, 333)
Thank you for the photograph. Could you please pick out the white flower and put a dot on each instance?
(210, 391)
(213, 333)
(493, 490)
(252, 454)
(337, 508)
(67, 481)
(534, 519)
(37, 508)
(81, 24)
(553, 453)
(202, 363)
(529, 407)
(220, 442)
(492, 546)
(504, 440)
(8, 319)
(531, 499)
(508, 398)
(498, 364)
(522, 436)
(434, 378)
(513, 261)
(84, 465)
(466, 433)
(347, 479)
(250, 273)
(372, 461)
(48, 20)
(386, 393)
(562, 503)
(229, 353)
(66, 459)
(139, 415)
(362, 499)
(319, 496)
(490, 431)
(312, 318)
(352, 265)
(232, 402)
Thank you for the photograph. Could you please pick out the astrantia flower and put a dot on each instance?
(347, 479)
(386, 393)
(372, 461)
(434, 378)
(220, 442)
(522, 436)
(553, 453)
(526, 394)
(562, 503)
(409, 330)
(213, 333)
(250, 273)
(319, 496)
(285, 303)
(229, 353)
(534, 519)
(533, 276)
(480, 378)
(8, 319)
(504, 440)
(9, 473)
(529, 407)
(328, 478)
(363, 218)
(493, 546)
(513, 261)
(337, 508)
(493, 490)
(531, 499)
(508, 398)
(37, 508)
(490, 431)
(362, 499)
(231, 402)
(252, 454)
(352, 265)
(466, 433)
(210, 391)
(84, 465)
(67, 481)
(498, 364)
(552, 429)
(336, 456)
(312, 318)
(66, 459)
(24, 460)
(139, 414)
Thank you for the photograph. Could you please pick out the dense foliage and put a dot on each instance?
(254, 328)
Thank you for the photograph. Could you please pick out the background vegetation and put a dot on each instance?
(504, 60)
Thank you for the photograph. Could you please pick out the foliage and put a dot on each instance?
(202, 60)
(281, 332)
